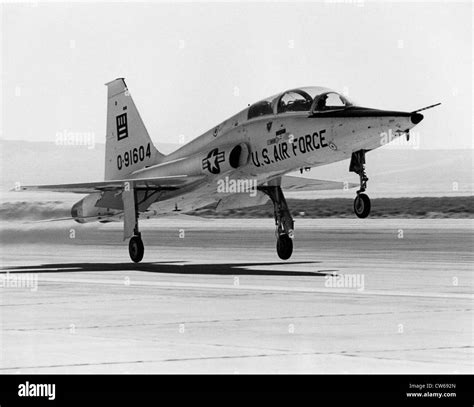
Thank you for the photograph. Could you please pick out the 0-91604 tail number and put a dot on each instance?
(133, 156)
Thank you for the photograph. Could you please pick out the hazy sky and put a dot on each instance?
(190, 66)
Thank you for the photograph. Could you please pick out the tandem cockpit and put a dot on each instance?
(309, 99)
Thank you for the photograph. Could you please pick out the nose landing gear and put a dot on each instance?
(283, 221)
(362, 205)
(361, 201)
(284, 246)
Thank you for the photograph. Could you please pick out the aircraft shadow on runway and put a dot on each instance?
(176, 267)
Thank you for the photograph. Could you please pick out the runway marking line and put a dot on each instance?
(340, 354)
(328, 291)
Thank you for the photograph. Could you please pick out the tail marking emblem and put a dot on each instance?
(122, 128)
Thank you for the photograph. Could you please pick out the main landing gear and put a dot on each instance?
(136, 248)
(283, 221)
(361, 201)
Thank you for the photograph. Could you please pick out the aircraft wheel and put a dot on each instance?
(284, 247)
(136, 249)
(362, 205)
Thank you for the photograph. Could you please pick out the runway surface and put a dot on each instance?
(211, 296)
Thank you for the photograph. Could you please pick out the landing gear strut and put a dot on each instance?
(283, 221)
(361, 201)
(136, 248)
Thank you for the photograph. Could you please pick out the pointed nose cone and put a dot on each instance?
(416, 118)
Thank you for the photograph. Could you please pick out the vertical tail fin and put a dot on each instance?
(128, 146)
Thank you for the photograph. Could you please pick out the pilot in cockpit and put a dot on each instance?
(321, 105)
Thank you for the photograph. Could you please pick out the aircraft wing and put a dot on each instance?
(157, 183)
(290, 183)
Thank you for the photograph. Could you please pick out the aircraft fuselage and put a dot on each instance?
(268, 140)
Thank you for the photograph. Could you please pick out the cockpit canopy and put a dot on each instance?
(309, 99)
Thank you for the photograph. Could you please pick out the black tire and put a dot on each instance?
(362, 205)
(284, 247)
(136, 249)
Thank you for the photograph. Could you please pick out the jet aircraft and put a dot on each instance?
(253, 150)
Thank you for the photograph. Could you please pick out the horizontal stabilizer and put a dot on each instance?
(157, 183)
(289, 183)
